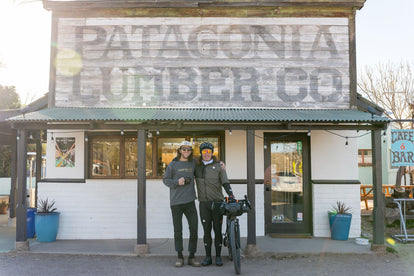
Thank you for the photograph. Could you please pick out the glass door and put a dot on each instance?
(286, 184)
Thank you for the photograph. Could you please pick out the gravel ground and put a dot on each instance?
(324, 264)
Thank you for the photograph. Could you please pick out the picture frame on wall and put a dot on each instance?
(65, 152)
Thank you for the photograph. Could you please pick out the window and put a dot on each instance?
(106, 157)
(5, 160)
(115, 156)
(167, 149)
(364, 157)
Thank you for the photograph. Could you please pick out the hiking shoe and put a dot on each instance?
(193, 262)
(207, 261)
(179, 262)
(219, 262)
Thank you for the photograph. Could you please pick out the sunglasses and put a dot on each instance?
(205, 151)
(186, 149)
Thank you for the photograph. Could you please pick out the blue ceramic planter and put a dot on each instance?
(46, 225)
(340, 225)
(31, 222)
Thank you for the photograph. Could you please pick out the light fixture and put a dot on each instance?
(346, 142)
(158, 132)
(309, 133)
(30, 136)
(265, 146)
(86, 137)
(229, 131)
(149, 134)
(122, 132)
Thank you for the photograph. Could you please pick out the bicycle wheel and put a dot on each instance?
(235, 245)
(228, 239)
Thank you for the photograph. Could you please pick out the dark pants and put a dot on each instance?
(190, 212)
(211, 218)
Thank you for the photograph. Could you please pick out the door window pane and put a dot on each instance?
(105, 156)
(287, 188)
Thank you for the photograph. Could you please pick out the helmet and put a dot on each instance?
(206, 145)
(185, 144)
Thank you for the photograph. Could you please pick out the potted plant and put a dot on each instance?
(3, 207)
(340, 221)
(46, 221)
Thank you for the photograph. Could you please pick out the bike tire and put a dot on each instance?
(230, 252)
(235, 245)
(228, 233)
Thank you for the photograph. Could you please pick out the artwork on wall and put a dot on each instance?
(65, 152)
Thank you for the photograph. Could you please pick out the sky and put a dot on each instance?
(384, 32)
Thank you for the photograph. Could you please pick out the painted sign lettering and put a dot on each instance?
(402, 147)
(261, 62)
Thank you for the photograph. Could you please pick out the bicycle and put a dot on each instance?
(233, 209)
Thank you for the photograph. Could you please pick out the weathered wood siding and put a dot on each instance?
(211, 62)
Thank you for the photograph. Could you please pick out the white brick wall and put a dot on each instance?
(107, 209)
(325, 196)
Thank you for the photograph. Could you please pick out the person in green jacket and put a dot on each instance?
(211, 177)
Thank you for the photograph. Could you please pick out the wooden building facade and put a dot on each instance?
(272, 84)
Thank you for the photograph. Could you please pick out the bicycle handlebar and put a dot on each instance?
(235, 207)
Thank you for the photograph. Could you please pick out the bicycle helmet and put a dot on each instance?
(206, 145)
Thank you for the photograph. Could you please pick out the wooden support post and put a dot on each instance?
(21, 208)
(251, 248)
(38, 163)
(379, 200)
(141, 246)
(13, 180)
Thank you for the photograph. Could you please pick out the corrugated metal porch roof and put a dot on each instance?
(77, 114)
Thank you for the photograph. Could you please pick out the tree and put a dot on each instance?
(390, 86)
(9, 98)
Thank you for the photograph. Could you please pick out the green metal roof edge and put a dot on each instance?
(68, 114)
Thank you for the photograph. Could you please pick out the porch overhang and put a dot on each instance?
(207, 118)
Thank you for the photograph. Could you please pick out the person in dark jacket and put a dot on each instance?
(211, 178)
(179, 177)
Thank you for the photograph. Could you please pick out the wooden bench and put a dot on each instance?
(387, 190)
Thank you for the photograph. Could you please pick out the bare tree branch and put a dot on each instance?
(390, 86)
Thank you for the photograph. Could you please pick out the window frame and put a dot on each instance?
(153, 139)
(361, 153)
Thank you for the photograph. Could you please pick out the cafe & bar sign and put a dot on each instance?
(402, 147)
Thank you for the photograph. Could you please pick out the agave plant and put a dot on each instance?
(44, 206)
(340, 208)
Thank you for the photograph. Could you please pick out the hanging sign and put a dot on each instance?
(402, 147)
